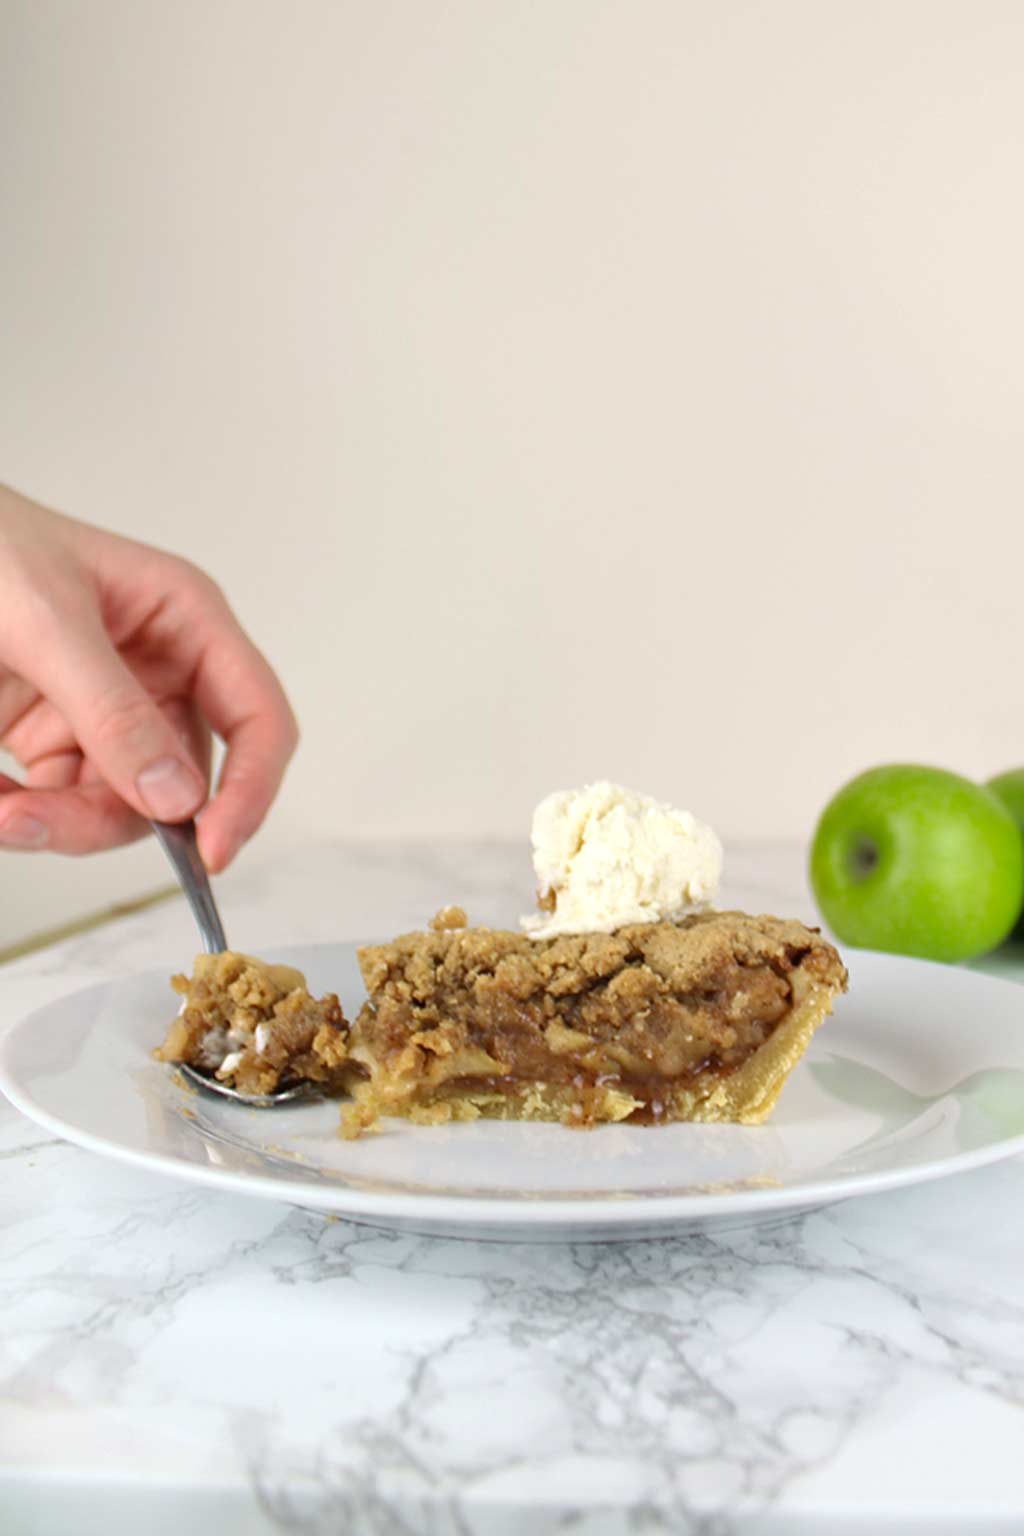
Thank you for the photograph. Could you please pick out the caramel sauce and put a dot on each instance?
(652, 1090)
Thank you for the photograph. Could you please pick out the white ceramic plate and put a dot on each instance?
(919, 1073)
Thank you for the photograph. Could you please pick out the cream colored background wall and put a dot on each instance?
(559, 390)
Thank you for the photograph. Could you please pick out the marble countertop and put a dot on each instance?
(173, 1356)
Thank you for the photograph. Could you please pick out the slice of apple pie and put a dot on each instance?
(698, 1019)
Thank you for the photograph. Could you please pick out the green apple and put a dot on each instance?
(1010, 789)
(918, 861)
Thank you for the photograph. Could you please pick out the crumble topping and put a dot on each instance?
(255, 1026)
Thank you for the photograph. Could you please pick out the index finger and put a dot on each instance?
(239, 693)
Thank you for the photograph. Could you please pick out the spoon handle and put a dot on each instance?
(178, 840)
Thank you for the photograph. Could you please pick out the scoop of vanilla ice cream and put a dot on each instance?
(606, 857)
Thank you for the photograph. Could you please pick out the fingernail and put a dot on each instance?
(24, 832)
(169, 789)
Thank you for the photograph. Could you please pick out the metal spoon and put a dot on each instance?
(178, 840)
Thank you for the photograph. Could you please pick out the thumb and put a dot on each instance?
(121, 730)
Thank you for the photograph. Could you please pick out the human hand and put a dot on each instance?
(116, 662)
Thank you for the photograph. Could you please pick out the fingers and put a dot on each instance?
(83, 819)
(153, 756)
(258, 754)
(192, 731)
(87, 817)
(241, 697)
(120, 728)
(60, 770)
